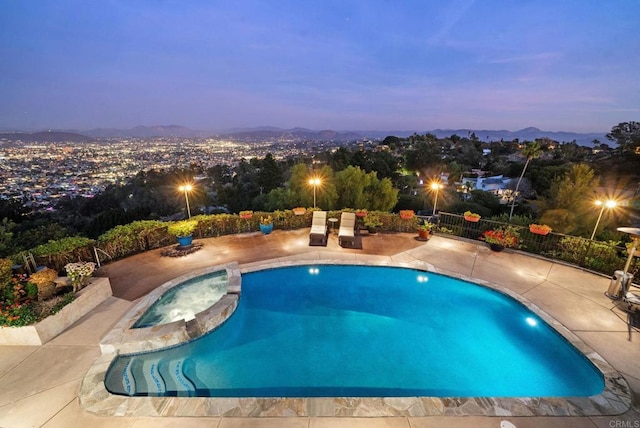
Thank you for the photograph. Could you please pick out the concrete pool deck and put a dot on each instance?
(39, 385)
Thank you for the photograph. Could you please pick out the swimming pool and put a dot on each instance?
(362, 331)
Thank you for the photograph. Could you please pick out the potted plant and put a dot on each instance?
(472, 217)
(424, 229)
(183, 231)
(266, 224)
(361, 212)
(299, 210)
(372, 223)
(539, 229)
(501, 238)
(406, 214)
(79, 273)
(246, 214)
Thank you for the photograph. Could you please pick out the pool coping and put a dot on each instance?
(124, 338)
(615, 399)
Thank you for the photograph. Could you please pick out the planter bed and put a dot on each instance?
(41, 332)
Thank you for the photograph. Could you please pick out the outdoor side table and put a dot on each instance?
(333, 222)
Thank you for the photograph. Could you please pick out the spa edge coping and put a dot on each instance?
(616, 398)
(124, 338)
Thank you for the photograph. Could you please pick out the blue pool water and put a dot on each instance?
(349, 331)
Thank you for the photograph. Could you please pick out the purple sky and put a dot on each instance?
(571, 65)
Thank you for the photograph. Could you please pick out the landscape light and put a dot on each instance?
(435, 186)
(186, 188)
(609, 203)
(315, 182)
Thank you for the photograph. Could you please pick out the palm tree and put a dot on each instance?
(531, 151)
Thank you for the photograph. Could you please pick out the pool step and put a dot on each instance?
(176, 380)
(128, 382)
(151, 374)
(124, 381)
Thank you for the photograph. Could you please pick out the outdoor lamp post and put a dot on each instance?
(186, 188)
(315, 182)
(436, 186)
(609, 203)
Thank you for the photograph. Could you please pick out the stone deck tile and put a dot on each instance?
(35, 410)
(515, 279)
(12, 356)
(586, 284)
(572, 310)
(617, 350)
(50, 366)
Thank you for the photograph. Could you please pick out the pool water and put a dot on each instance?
(184, 301)
(314, 331)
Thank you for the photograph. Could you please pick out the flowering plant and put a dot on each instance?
(541, 229)
(469, 214)
(266, 220)
(78, 272)
(507, 237)
(406, 214)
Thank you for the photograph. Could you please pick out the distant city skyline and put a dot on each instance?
(340, 65)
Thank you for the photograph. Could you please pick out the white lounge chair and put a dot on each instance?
(318, 227)
(347, 228)
(631, 305)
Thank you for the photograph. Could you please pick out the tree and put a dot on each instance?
(358, 189)
(568, 209)
(626, 135)
(301, 193)
(6, 227)
(269, 174)
(531, 151)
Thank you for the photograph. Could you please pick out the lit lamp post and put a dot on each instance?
(609, 203)
(186, 188)
(315, 182)
(436, 186)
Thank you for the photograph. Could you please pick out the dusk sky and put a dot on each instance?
(570, 65)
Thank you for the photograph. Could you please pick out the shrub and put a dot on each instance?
(62, 251)
(182, 228)
(124, 240)
(43, 279)
(17, 315)
(5, 272)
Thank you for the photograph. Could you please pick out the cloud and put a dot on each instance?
(542, 56)
(453, 12)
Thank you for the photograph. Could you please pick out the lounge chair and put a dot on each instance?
(318, 227)
(347, 228)
(631, 305)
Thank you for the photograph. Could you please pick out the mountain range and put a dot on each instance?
(294, 134)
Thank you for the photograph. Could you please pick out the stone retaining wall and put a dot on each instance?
(40, 333)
